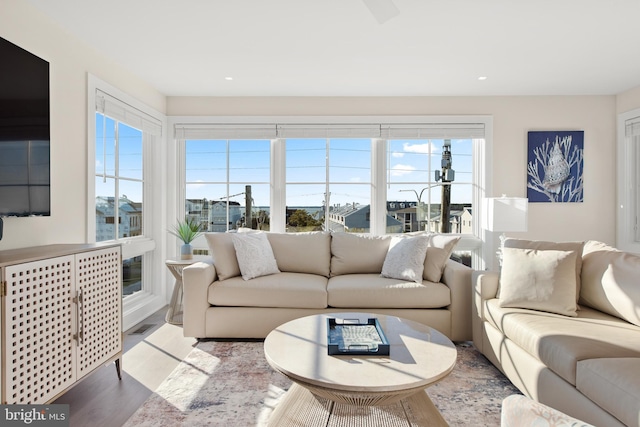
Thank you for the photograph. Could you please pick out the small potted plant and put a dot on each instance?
(187, 231)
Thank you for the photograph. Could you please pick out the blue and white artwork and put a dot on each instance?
(555, 166)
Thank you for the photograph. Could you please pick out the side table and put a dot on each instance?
(175, 266)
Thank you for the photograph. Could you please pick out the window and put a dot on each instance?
(365, 177)
(430, 185)
(629, 181)
(328, 184)
(227, 183)
(121, 203)
(119, 179)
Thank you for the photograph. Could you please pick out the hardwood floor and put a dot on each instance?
(103, 401)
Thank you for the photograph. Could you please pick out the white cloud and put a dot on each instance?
(401, 170)
(397, 154)
(419, 148)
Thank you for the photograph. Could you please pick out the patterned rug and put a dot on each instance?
(229, 383)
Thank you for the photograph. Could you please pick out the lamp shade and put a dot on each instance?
(505, 214)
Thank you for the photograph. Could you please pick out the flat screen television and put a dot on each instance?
(24, 133)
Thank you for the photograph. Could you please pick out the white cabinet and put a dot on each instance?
(61, 318)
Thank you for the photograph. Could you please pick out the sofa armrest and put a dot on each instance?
(196, 280)
(485, 287)
(520, 411)
(458, 278)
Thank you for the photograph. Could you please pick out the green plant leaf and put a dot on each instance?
(187, 230)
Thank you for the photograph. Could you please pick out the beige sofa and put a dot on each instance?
(318, 273)
(585, 362)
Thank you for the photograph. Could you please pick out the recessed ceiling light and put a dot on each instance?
(482, 78)
(228, 78)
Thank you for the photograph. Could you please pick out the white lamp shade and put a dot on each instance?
(505, 214)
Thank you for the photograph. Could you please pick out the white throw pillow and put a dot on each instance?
(255, 256)
(438, 253)
(542, 280)
(405, 258)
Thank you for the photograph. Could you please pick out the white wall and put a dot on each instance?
(70, 61)
(513, 117)
(628, 100)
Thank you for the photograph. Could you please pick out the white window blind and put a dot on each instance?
(328, 131)
(225, 131)
(127, 114)
(355, 130)
(433, 131)
(632, 127)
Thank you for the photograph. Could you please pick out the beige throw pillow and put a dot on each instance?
(354, 253)
(224, 254)
(438, 252)
(255, 256)
(302, 252)
(539, 280)
(556, 246)
(405, 258)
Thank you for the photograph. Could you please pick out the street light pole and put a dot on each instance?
(447, 176)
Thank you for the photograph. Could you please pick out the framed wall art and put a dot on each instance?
(555, 166)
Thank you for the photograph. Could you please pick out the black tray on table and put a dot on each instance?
(351, 337)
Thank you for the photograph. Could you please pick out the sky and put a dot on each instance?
(344, 163)
(348, 171)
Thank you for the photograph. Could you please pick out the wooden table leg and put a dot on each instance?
(300, 407)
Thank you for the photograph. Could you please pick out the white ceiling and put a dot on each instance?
(338, 48)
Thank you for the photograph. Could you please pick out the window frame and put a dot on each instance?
(479, 243)
(628, 185)
(153, 296)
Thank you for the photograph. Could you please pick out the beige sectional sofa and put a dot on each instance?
(320, 272)
(580, 357)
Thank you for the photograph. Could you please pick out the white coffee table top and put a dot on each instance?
(419, 356)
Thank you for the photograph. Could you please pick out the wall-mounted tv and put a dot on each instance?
(24, 133)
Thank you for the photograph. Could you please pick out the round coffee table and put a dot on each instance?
(344, 389)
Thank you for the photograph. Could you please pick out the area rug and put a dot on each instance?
(229, 383)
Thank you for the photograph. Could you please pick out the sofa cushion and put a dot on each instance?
(610, 281)
(555, 246)
(405, 258)
(282, 290)
(254, 255)
(372, 291)
(438, 252)
(614, 385)
(560, 341)
(304, 252)
(224, 254)
(358, 253)
(539, 280)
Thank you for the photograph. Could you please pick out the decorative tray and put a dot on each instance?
(351, 337)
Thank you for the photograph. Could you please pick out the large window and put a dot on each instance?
(366, 178)
(125, 135)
